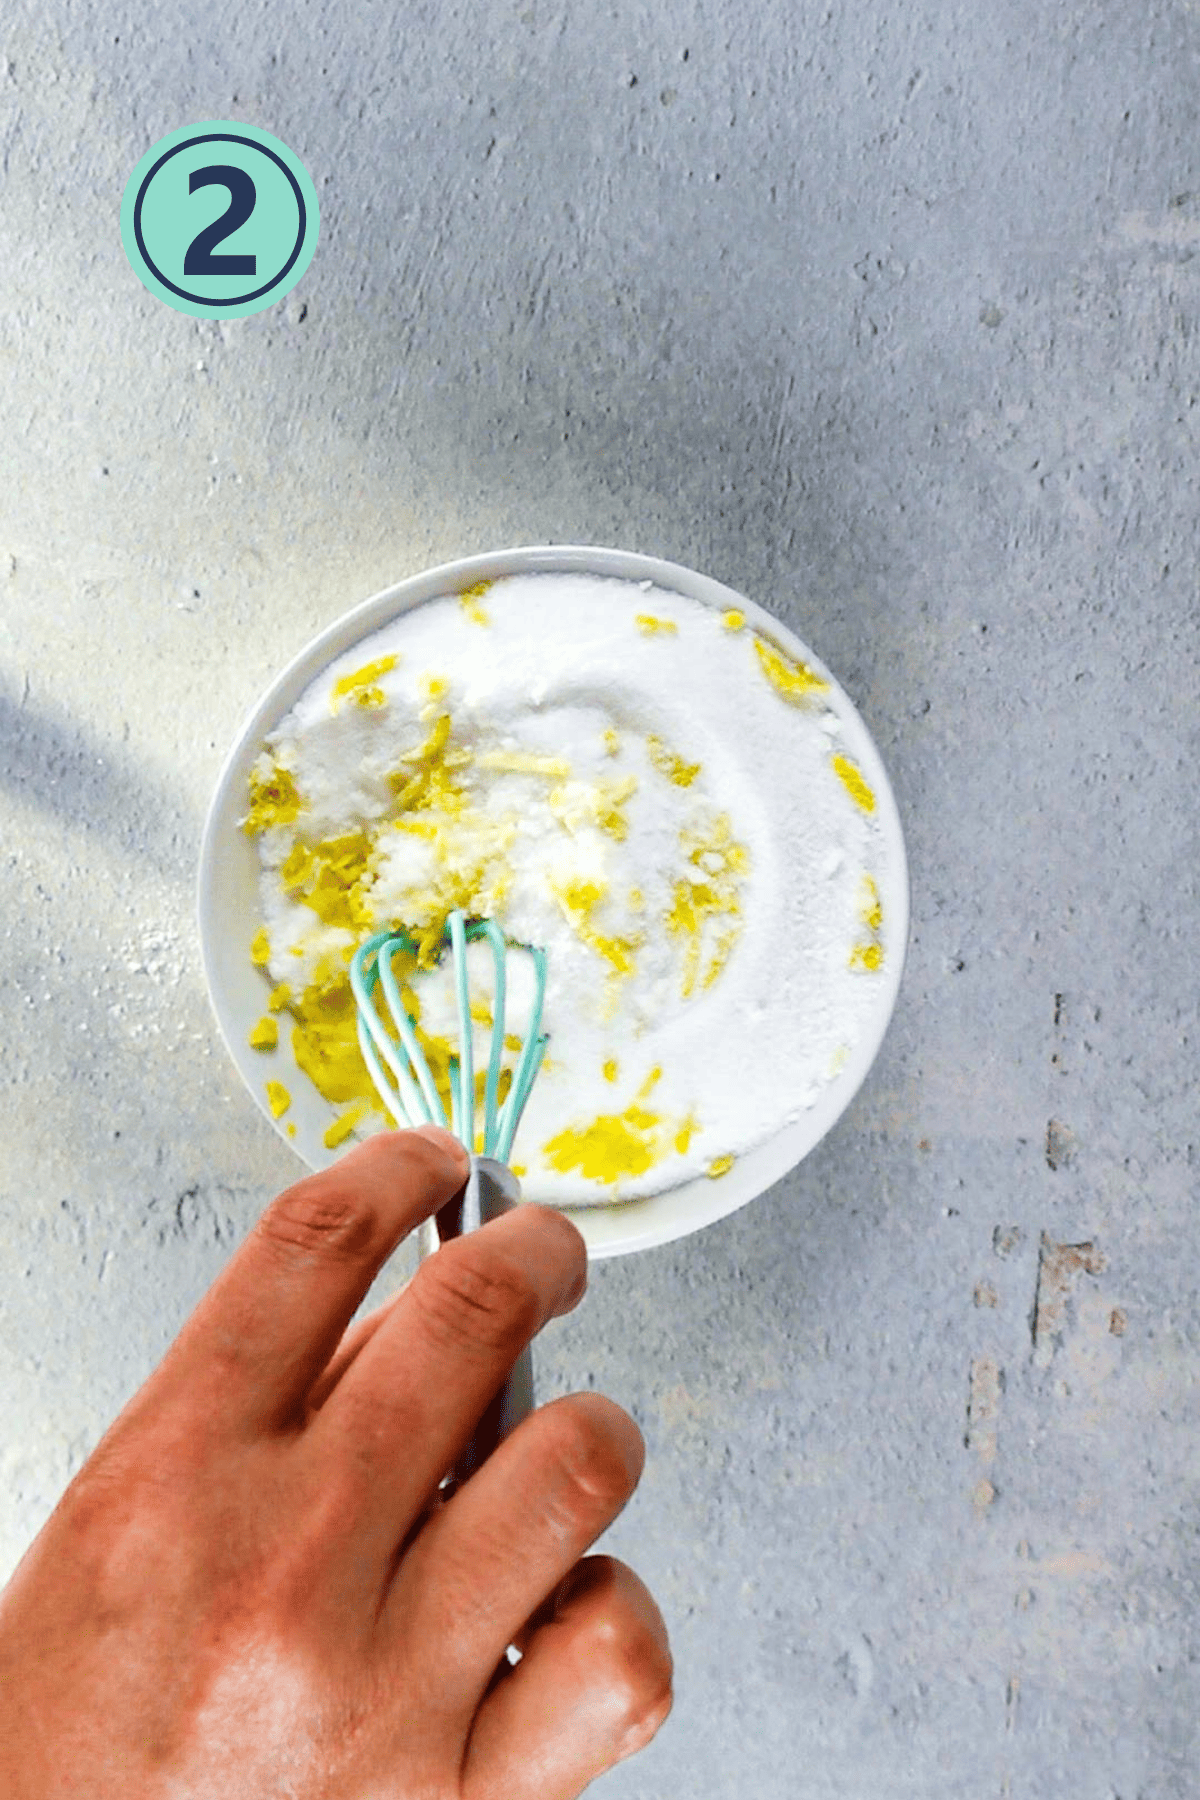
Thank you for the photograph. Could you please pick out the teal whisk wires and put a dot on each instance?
(410, 1094)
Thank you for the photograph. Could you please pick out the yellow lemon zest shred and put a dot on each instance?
(361, 684)
(612, 1145)
(676, 770)
(650, 626)
(866, 956)
(720, 1165)
(342, 1126)
(297, 867)
(470, 599)
(524, 762)
(651, 1081)
(335, 879)
(705, 907)
(264, 1035)
(260, 948)
(732, 619)
(578, 900)
(278, 1098)
(325, 1041)
(273, 801)
(856, 787)
(685, 1133)
(795, 681)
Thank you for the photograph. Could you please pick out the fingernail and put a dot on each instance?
(446, 1140)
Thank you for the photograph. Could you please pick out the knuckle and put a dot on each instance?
(592, 1468)
(324, 1217)
(638, 1673)
(469, 1299)
(649, 1721)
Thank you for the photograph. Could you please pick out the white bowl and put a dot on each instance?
(229, 904)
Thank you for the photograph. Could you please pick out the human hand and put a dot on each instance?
(254, 1588)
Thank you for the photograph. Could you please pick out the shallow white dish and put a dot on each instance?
(229, 901)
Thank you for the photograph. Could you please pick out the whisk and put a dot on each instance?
(406, 1086)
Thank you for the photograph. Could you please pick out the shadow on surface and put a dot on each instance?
(60, 768)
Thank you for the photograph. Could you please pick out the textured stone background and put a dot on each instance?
(889, 315)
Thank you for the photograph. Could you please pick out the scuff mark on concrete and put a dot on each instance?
(983, 1408)
(982, 1496)
(1059, 1265)
(1060, 1144)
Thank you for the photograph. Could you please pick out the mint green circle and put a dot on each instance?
(280, 232)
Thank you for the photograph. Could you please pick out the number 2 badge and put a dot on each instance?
(219, 220)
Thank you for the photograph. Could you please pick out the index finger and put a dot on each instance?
(266, 1328)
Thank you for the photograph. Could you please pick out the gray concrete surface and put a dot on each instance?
(888, 315)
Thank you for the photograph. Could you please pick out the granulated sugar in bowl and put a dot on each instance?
(625, 763)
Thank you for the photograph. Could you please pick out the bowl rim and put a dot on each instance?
(622, 1227)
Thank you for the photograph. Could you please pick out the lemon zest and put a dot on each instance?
(524, 762)
(325, 1041)
(795, 681)
(579, 900)
(612, 1145)
(866, 956)
(650, 1082)
(732, 619)
(650, 626)
(470, 599)
(680, 773)
(278, 1099)
(685, 1133)
(855, 786)
(273, 801)
(334, 878)
(361, 684)
(342, 1126)
(297, 867)
(265, 1035)
(720, 1165)
(598, 803)
(260, 948)
(705, 909)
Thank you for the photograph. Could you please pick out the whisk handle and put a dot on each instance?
(492, 1189)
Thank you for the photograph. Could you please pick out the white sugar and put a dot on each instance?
(576, 817)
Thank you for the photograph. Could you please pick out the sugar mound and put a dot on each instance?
(646, 788)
